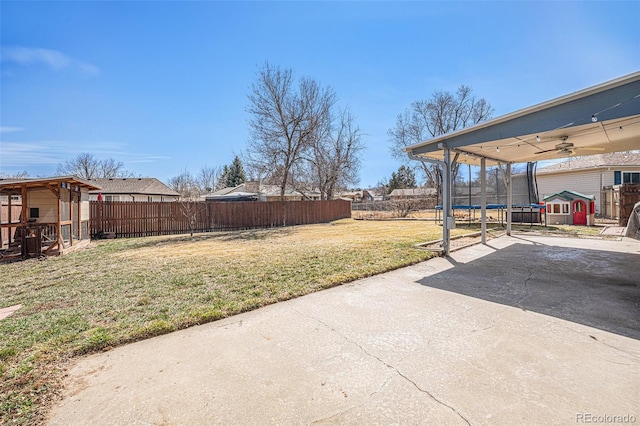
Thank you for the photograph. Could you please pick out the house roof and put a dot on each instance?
(272, 190)
(146, 186)
(233, 196)
(228, 190)
(412, 192)
(264, 190)
(569, 196)
(269, 190)
(629, 158)
(10, 185)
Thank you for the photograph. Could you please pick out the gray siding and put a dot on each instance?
(586, 182)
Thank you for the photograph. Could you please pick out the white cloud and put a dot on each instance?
(52, 58)
(26, 155)
(20, 154)
(7, 129)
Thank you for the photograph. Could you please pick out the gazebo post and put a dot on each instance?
(23, 194)
(10, 207)
(58, 226)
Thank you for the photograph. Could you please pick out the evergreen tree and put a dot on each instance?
(222, 180)
(403, 178)
(235, 174)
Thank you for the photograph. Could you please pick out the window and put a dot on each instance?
(34, 212)
(558, 208)
(630, 177)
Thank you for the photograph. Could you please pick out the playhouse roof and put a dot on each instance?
(569, 196)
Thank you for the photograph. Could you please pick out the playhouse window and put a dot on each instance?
(558, 208)
(630, 177)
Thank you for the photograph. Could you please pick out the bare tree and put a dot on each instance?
(443, 113)
(111, 168)
(83, 165)
(405, 205)
(335, 155)
(207, 179)
(285, 119)
(17, 175)
(190, 204)
(86, 166)
(184, 184)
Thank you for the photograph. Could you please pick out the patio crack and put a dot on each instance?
(340, 413)
(525, 286)
(612, 346)
(392, 367)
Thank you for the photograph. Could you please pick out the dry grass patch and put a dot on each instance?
(119, 291)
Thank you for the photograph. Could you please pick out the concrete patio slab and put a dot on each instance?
(524, 330)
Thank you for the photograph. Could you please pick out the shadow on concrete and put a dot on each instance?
(592, 287)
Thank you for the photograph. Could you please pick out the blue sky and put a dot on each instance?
(162, 86)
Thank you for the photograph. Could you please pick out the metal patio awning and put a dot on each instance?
(600, 119)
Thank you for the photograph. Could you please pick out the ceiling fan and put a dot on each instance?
(565, 147)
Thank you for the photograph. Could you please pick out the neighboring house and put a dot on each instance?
(272, 193)
(408, 193)
(593, 174)
(132, 189)
(569, 208)
(254, 190)
(227, 194)
(44, 215)
(356, 196)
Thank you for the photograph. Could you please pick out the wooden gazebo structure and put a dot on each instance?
(43, 215)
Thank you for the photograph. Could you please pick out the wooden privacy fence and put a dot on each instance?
(629, 196)
(140, 219)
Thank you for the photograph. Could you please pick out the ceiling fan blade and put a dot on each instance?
(586, 148)
(546, 150)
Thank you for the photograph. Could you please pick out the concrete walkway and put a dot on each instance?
(526, 330)
(613, 230)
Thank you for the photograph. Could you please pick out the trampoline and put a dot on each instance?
(520, 213)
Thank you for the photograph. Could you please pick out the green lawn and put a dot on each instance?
(120, 291)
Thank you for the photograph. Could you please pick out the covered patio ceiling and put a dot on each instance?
(597, 120)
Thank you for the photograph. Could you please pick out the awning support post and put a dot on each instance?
(483, 199)
(448, 222)
(509, 199)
